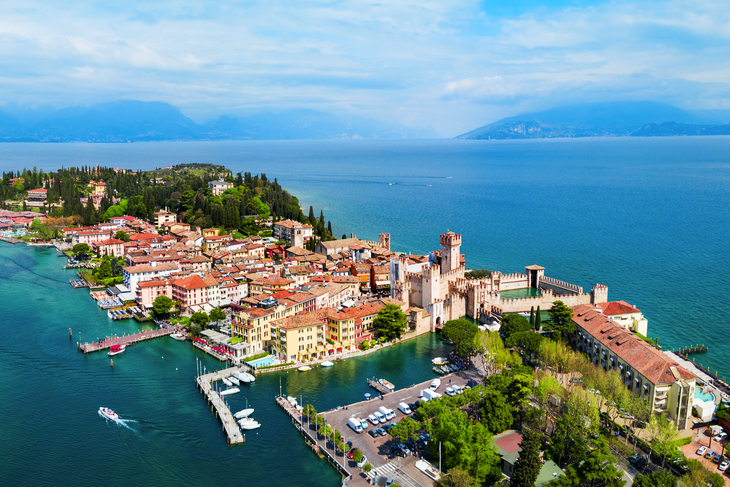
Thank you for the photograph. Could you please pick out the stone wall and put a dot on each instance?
(559, 287)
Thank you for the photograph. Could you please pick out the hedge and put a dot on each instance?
(682, 441)
(272, 366)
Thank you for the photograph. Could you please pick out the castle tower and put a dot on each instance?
(431, 284)
(450, 248)
(385, 240)
(534, 274)
(599, 294)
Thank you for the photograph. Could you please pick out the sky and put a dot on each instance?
(454, 65)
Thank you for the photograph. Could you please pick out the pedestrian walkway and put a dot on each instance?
(393, 471)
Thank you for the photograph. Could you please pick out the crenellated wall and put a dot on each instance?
(560, 287)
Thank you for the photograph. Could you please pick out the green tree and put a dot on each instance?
(390, 321)
(513, 323)
(195, 329)
(528, 342)
(161, 306)
(105, 270)
(698, 475)
(455, 477)
(528, 465)
(122, 235)
(462, 333)
(599, 468)
(81, 249)
(496, 414)
(561, 319)
(42, 230)
(660, 478)
(309, 411)
(663, 435)
(406, 429)
(200, 318)
(357, 456)
(217, 315)
(367, 467)
(538, 320)
(532, 316)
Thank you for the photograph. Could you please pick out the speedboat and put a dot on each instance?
(327, 363)
(245, 377)
(386, 384)
(250, 425)
(234, 380)
(227, 382)
(445, 369)
(232, 390)
(304, 368)
(438, 371)
(116, 350)
(292, 400)
(435, 384)
(108, 414)
(178, 336)
(244, 413)
(439, 361)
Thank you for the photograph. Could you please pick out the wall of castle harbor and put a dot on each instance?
(559, 287)
(509, 282)
(522, 305)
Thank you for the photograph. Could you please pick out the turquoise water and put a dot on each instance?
(649, 218)
(262, 362)
(51, 434)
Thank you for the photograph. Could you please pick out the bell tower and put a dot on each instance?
(450, 252)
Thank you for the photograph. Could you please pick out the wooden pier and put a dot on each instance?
(125, 340)
(684, 352)
(378, 387)
(11, 240)
(218, 405)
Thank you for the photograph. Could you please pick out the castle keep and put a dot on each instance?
(441, 290)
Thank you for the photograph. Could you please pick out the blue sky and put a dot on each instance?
(454, 65)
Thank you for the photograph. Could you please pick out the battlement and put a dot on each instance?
(561, 284)
(458, 272)
(514, 277)
(450, 239)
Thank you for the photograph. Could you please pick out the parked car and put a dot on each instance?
(397, 451)
(381, 431)
(388, 482)
(471, 383)
(701, 450)
(373, 433)
(721, 436)
(373, 419)
(405, 449)
(710, 454)
(723, 466)
(363, 462)
(718, 458)
(410, 445)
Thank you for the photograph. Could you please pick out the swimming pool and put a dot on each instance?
(262, 362)
(704, 396)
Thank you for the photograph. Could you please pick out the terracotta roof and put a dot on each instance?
(148, 268)
(191, 282)
(313, 318)
(618, 308)
(152, 283)
(647, 360)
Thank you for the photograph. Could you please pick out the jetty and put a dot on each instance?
(338, 463)
(218, 405)
(378, 386)
(10, 240)
(103, 344)
(684, 352)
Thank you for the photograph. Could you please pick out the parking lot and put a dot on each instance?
(690, 451)
(378, 450)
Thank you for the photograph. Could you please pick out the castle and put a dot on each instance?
(440, 289)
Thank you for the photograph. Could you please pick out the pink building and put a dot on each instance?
(112, 246)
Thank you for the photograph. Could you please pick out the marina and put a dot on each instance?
(218, 405)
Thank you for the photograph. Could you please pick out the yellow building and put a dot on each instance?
(301, 337)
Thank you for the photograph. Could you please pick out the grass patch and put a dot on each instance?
(257, 356)
(234, 340)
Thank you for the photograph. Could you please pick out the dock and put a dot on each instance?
(218, 405)
(10, 240)
(378, 387)
(105, 343)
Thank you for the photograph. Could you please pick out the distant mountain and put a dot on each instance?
(585, 120)
(144, 121)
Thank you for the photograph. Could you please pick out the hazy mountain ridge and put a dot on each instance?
(146, 121)
(596, 120)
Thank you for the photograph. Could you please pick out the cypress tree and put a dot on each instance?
(538, 320)
(329, 227)
(312, 219)
(527, 467)
(532, 316)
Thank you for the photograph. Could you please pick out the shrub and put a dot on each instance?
(367, 467)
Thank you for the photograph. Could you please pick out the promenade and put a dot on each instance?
(104, 343)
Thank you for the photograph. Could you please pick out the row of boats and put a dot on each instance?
(445, 369)
(245, 421)
(236, 379)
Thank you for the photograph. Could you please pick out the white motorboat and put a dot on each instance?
(435, 384)
(250, 425)
(235, 381)
(386, 384)
(232, 390)
(178, 336)
(292, 400)
(116, 350)
(327, 363)
(245, 377)
(227, 382)
(439, 361)
(304, 368)
(244, 413)
(108, 414)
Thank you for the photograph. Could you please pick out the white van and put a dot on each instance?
(388, 413)
(403, 407)
(380, 416)
(374, 419)
(354, 423)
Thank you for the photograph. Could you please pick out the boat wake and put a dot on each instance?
(121, 422)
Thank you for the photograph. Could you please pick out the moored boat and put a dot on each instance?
(108, 413)
(327, 363)
(116, 350)
(439, 361)
(244, 413)
(386, 384)
(304, 368)
(178, 336)
(232, 390)
(249, 425)
(244, 377)
(234, 380)
(227, 382)
(438, 370)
